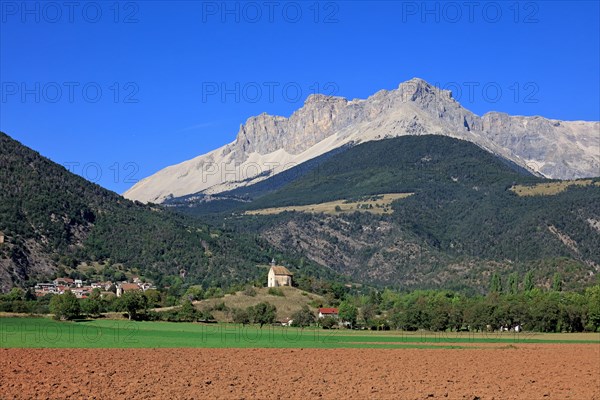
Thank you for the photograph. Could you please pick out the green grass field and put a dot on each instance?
(47, 333)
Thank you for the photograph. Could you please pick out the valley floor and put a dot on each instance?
(521, 371)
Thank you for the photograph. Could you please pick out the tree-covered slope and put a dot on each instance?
(52, 219)
(404, 164)
(461, 223)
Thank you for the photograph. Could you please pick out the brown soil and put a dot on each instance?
(569, 371)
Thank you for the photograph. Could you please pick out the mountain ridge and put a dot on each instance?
(267, 145)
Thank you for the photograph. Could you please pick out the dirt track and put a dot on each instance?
(524, 372)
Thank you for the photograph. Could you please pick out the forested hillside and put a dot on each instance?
(405, 164)
(52, 220)
(461, 224)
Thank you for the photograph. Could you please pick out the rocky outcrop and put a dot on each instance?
(308, 126)
(266, 144)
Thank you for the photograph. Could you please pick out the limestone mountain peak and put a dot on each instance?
(268, 144)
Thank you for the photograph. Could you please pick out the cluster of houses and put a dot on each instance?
(83, 289)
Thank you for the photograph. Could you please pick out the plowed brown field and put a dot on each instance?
(540, 371)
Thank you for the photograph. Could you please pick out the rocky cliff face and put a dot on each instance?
(266, 144)
(308, 126)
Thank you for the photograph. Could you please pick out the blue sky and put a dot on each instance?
(117, 91)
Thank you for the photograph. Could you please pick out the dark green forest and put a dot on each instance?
(52, 218)
(462, 213)
(398, 165)
(462, 210)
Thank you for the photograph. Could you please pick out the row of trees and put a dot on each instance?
(536, 310)
(67, 306)
(26, 301)
(135, 303)
(512, 283)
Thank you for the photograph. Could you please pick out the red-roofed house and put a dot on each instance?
(64, 281)
(328, 312)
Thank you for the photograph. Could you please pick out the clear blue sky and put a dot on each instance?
(177, 79)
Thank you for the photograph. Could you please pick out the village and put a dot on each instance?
(82, 289)
(325, 314)
(278, 277)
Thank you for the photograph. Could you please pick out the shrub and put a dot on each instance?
(153, 316)
(194, 293)
(263, 313)
(212, 293)
(328, 322)
(187, 312)
(65, 306)
(219, 307)
(303, 317)
(20, 306)
(276, 292)
(249, 291)
(241, 316)
(315, 303)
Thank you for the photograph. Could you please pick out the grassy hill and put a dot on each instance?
(291, 300)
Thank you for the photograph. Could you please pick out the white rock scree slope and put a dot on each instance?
(267, 144)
